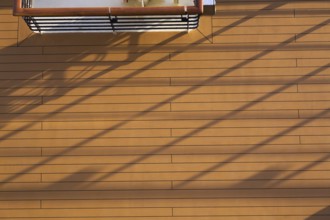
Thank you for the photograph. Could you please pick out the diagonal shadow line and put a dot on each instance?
(292, 39)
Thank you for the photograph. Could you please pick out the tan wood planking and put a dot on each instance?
(29, 204)
(275, 71)
(21, 178)
(231, 39)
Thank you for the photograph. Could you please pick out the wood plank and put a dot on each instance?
(19, 50)
(85, 159)
(312, 12)
(128, 116)
(8, 42)
(69, 186)
(7, 18)
(19, 101)
(218, 132)
(314, 38)
(274, 202)
(169, 194)
(273, 21)
(314, 88)
(23, 178)
(29, 204)
(83, 108)
(252, 184)
(250, 54)
(176, 90)
(20, 75)
(129, 133)
(289, 166)
(299, 29)
(247, 157)
(254, 211)
(186, 177)
(36, 213)
(314, 62)
(20, 152)
(255, 123)
(282, 13)
(230, 39)
(83, 83)
(137, 67)
(162, 141)
(316, 139)
(8, 34)
(17, 126)
(265, 105)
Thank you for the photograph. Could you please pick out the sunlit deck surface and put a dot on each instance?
(230, 121)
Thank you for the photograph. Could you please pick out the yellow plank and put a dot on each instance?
(138, 67)
(314, 88)
(30, 204)
(323, 63)
(16, 126)
(118, 57)
(188, 177)
(254, 211)
(130, 133)
(27, 178)
(244, 124)
(159, 90)
(20, 152)
(166, 194)
(20, 75)
(67, 186)
(230, 39)
(86, 159)
(316, 139)
(215, 116)
(8, 42)
(83, 108)
(51, 213)
(95, 141)
(282, 13)
(300, 29)
(218, 132)
(228, 202)
(273, 21)
(8, 34)
(247, 157)
(280, 166)
(314, 37)
(248, 55)
(82, 83)
(249, 106)
(289, 71)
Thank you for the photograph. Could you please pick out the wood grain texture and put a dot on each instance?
(230, 121)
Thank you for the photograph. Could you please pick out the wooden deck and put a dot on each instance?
(231, 121)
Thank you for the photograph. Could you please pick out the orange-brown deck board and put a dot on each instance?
(230, 121)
